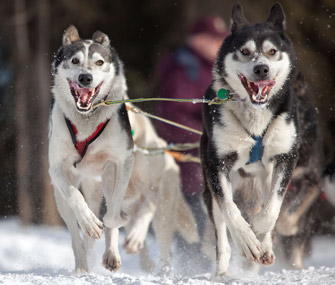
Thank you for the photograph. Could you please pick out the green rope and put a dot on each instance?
(216, 101)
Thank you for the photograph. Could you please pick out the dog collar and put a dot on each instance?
(81, 146)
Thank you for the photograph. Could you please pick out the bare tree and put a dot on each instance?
(22, 141)
(49, 212)
(35, 195)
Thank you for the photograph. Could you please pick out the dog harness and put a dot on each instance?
(257, 150)
(81, 146)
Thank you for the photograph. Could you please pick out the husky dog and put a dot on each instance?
(154, 195)
(249, 148)
(90, 151)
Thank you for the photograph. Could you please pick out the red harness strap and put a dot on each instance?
(81, 146)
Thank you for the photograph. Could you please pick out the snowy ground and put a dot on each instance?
(43, 255)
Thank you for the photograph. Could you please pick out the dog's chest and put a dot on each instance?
(276, 136)
(109, 147)
(93, 163)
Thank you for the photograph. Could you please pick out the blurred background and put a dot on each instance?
(142, 32)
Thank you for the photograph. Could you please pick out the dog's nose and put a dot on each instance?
(85, 79)
(261, 70)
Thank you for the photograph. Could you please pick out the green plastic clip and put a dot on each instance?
(132, 132)
(223, 94)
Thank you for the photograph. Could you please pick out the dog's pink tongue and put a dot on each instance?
(264, 87)
(84, 95)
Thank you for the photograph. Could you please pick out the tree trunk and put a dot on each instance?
(21, 114)
(49, 211)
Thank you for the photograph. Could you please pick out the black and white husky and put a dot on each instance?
(249, 147)
(85, 72)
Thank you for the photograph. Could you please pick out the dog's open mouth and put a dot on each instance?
(84, 97)
(258, 90)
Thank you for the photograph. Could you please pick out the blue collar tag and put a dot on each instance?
(257, 150)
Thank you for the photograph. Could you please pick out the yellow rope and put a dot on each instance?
(138, 111)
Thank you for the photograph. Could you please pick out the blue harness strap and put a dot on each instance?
(257, 150)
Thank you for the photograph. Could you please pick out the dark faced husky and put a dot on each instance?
(89, 149)
(249, 147)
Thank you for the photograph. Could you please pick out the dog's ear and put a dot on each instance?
(237, 17)
(277, 16)
(101, 38)
(70, 35)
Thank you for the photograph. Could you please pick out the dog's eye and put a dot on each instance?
(272, 51)
(245, 51)
(99, 62)
(75, 60)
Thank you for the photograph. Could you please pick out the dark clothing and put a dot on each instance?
(184, 74)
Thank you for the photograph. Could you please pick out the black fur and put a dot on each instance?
(66, 52)
(124, 122)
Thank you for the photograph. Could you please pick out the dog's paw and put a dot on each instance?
(111, 261)
(134, 241)
(221, 277)
(246, 241)
(117, 221)
(81, 271)
(91, 225)
(267, 258)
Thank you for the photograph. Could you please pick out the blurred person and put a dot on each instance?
(185, 72)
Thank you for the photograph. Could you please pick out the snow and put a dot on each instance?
(43, 255)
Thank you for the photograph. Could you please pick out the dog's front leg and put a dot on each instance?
(228, 214)
(264, 222)
(111, 259)
(65, 182)
(115, 181)
(138, 231)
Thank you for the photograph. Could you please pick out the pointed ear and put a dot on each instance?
(238, 18)
(101, 38)
(70, 35)
(277, 17)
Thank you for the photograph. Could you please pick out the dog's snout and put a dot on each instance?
(261, 70)
(85, 79)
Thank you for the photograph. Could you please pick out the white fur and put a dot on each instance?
(279, 138)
